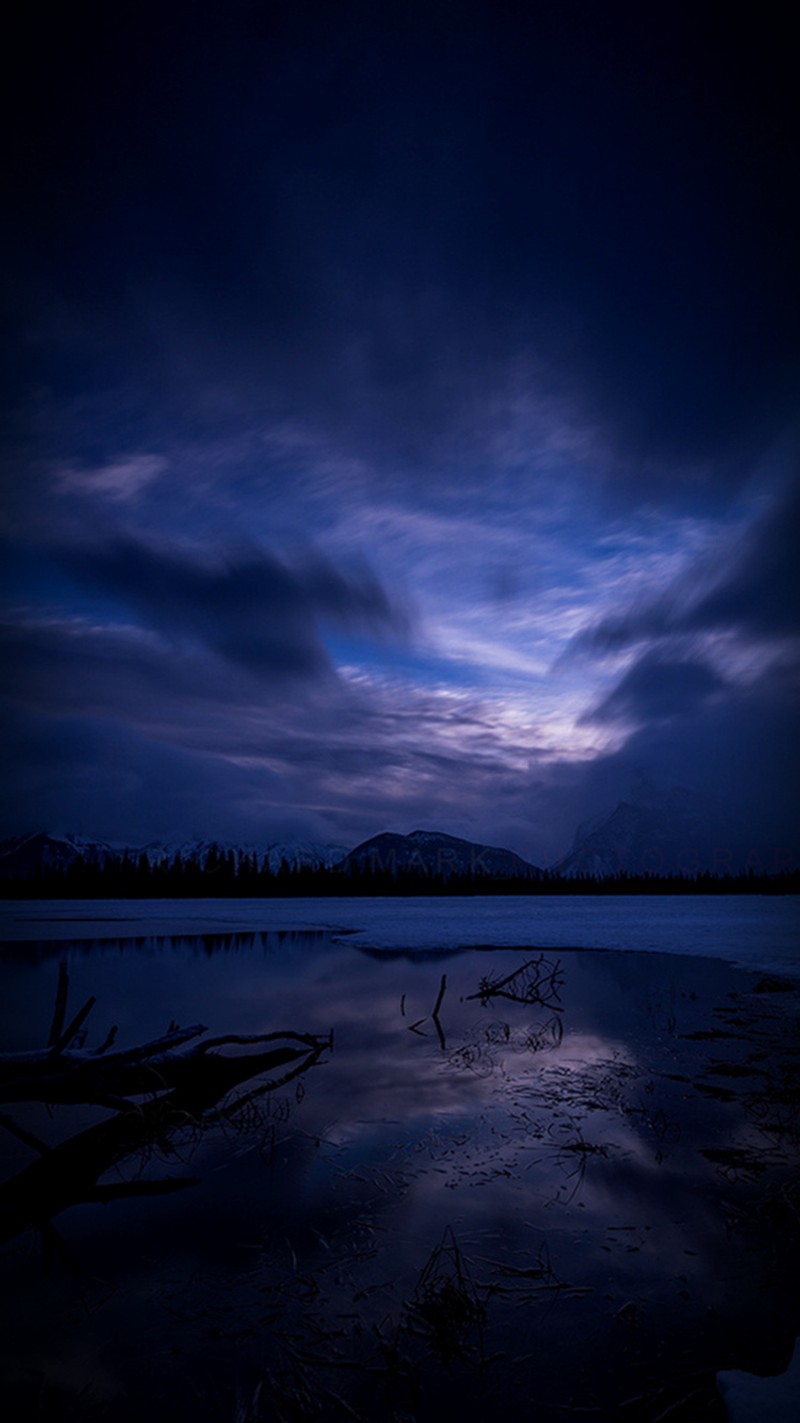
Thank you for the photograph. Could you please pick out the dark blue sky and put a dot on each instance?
(401, 418)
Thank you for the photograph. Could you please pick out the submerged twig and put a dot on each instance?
(537, 981)
(447, 1306)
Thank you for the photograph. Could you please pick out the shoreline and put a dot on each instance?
(753, 932)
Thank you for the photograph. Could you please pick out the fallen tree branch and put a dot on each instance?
(195, 1097)
(87, 1076)
(147, 1070)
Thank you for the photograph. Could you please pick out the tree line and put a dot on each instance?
(225, 873)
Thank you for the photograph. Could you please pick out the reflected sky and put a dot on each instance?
(605, 1175)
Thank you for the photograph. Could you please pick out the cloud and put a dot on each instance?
(658, 689)
(111, 780)
(116, 733)
(120, 481)
(491, 199)
(94, 713)
(746, 585)
(709, 687)
(533, 277)
(245, 604)
(759, 591)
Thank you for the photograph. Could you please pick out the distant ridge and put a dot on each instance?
(433, 852)
(22, 856)
(662, 832)
(297, 854)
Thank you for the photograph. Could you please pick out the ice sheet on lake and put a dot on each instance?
(751, 930)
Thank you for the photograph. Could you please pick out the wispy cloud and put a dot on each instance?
(120, 481)
(744, 586)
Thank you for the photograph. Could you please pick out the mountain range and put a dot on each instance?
(660, 831)
(24, 855)
(433, 851)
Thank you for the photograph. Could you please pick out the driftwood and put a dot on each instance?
(57, 1075)
(151, 1068)
(69, 1174)
(183, 1089)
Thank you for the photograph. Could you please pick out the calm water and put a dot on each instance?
(574, 1188)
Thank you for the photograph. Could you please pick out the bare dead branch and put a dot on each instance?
(60, 1007)
(72, 1029)
(110, 1037)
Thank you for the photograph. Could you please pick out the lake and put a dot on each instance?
(535, 1176)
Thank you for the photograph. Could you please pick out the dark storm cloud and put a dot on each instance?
(656, 690)
(245, 605)
(369, 216)
(744, 751)
(736, 749)
(733, 733)
(114, 734)
(74, 667)
(111, 780)
(760, 591)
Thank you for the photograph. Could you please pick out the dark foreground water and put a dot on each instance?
(570, 1193)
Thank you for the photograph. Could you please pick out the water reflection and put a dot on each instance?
(566, 1186)
(230, 941)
